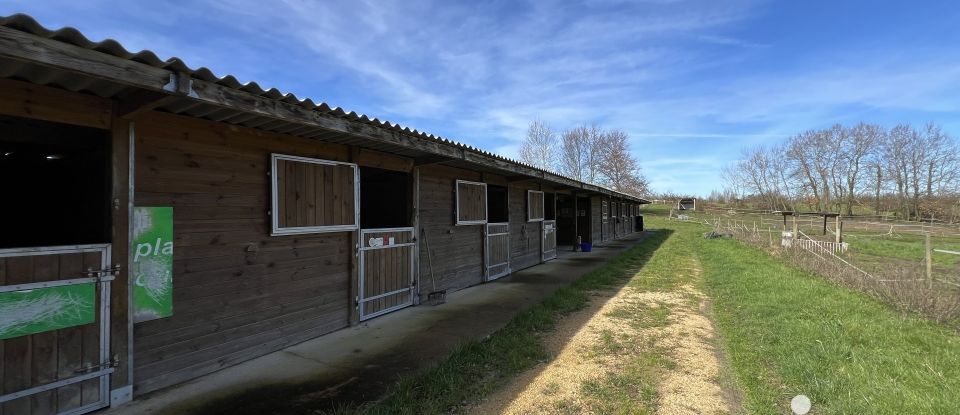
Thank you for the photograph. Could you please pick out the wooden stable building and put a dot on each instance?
(290, 219)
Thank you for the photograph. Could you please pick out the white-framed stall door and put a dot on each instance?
(549, 240)
(54, 329)
(386, 270)
(497, 252)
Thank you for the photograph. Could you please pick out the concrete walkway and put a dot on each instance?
(358, 364)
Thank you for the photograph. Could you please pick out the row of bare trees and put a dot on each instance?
(912, 172)
(587, 153)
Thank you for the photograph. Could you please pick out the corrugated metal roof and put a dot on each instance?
(42, 75)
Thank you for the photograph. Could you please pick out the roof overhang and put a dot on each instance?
(141, 82)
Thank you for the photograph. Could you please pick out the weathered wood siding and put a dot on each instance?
(525, 237)
(471, 202)
(535, 205)
(41, 358)
(310, 194)
(238, 292)
(455, 252)
(387, 269)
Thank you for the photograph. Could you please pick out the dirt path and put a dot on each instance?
(630, 351)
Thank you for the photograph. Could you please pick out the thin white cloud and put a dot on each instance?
(675, 75)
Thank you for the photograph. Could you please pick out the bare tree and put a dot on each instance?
(582, 151)
(863, 142)
(618, 168)
(914, 172)
(596, 148)
(574, 152)
(539, 149)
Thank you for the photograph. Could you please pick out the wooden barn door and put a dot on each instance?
(497, 258)
(386, 270)
(54, 329)
(549, 240)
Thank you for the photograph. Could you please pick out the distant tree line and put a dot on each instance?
(913, 173)
(587, 153)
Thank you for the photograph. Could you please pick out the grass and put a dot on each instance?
(478, 367)
(789, 332)
(631, 390)
(905, 247)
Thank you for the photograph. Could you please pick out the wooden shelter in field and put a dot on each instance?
(688, 203)
(188, 222)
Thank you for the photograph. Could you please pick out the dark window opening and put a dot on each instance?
(549, 208)
(498, 210)
(56, 184)
(384, 199)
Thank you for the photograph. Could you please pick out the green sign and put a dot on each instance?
(45, 309)
(152, 267)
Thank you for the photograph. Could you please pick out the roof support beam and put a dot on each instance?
(141, 101)
(427, 160)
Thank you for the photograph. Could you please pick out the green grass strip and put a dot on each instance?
(789, 332)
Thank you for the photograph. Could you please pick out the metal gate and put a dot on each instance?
(497, 252)
(549, 240)
(386, 270)
(54, 326)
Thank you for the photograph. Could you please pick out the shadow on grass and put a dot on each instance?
(477, 368)
(472, 370)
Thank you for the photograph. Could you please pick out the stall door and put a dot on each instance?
(497, 258)
(549, 240)
(54, 337)
(386, 270)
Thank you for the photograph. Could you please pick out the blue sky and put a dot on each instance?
(692, 82)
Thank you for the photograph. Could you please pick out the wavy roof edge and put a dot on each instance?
(25, 23)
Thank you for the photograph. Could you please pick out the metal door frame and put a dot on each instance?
(362, 271)
(551, 254)
(486, 252)
(102, 278)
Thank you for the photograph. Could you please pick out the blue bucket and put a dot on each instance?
(586, 246)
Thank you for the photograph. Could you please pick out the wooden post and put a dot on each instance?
(839, 230)
(576, 220)
(824, 224)
(353, 247)
(121, 310)
(796, 234)
(929, 256)
(770, 234)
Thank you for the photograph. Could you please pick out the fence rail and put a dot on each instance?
(822, 246)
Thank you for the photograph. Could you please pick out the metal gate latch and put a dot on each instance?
(102, 275)
(112, 363)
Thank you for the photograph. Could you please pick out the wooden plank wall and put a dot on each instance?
(536, 201)
(238, 292)
(120, 238)
(455, 252)
(472, 202)
(525, 237)
(37, 359)
(387, 270)
(310, 194)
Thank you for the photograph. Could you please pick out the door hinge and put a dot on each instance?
(112, 363)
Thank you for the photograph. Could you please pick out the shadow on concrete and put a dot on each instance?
(358, 365)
